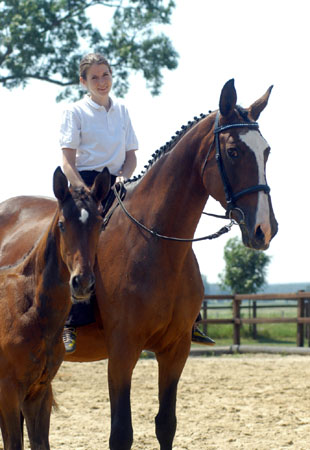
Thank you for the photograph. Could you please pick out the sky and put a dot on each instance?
(259, 44)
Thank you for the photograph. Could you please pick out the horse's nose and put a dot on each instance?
(261, 238)
(259, 234)
(82, 285)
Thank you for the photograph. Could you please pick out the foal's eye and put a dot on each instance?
(61, 226)
(233, 153)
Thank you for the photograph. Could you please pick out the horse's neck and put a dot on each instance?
(171, 193)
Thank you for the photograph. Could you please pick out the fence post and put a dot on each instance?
(307, 314)
(236, 315)
(300, 326)
(205, 315)
(254, 331)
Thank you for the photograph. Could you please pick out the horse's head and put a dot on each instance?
(79, 224)
(241, 154)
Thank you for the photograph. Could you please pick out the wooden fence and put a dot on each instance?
(302, 319)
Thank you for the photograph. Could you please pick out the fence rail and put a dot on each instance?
(302, 319)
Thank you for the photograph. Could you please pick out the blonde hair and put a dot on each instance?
(89, 60)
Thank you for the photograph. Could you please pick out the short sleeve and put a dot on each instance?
(131, 142)
(70, 130)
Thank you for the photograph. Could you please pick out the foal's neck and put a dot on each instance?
(51, 292)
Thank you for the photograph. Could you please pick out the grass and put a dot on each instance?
(266, 334)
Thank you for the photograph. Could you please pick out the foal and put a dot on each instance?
(34, 304)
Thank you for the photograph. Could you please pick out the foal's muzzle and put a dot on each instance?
(82, 286)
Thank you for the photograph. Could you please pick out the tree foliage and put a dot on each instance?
(45, 40)
(246, 269)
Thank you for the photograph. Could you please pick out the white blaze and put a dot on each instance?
(255, 141)
(84, 216)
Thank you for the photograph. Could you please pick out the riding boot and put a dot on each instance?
(69, 339)
(198, 336)
(80, 314)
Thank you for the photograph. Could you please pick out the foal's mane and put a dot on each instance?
(243, 113)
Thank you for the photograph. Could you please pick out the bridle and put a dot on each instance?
(231, 198)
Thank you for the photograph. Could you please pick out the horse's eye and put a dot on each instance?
(233, 152)
(61, 226)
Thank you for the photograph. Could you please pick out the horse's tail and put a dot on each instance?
(55, 406)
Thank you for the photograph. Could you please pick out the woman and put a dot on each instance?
(96, 132)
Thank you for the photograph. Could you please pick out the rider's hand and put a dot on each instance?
(120, 179)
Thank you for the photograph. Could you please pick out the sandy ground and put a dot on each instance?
(228, 402)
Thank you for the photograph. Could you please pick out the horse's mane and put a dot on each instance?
(82, 199)
(243, 113)
(175, 139)
(168, 146)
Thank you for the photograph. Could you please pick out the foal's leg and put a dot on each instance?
(37, 412)
(10, 417)
(120, 367)
(170, 366)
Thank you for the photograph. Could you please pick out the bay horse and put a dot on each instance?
(148, 287)
(35, 302)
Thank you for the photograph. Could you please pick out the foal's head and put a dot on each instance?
(79, 224)
(242, 155)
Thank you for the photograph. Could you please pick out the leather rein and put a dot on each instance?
(231, 198)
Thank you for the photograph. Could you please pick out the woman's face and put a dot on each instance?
(98, 82)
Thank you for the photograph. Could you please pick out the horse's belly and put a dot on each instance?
(90, 345)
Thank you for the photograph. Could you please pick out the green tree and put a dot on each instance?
(45, 39)
(245, 270)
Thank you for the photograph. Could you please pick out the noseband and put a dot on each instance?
(231, 198)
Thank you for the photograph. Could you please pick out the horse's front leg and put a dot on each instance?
(10, 416)
(120, 367)
(37, 412)
(170, 367)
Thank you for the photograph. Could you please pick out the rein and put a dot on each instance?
(154, 233)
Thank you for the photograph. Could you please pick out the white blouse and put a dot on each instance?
(100, 138)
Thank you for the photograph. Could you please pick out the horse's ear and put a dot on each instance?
(259, 105)
(60, 185)
(228, 98)
(101, 186)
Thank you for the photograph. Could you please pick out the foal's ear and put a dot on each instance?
(60, 184)
(228, 98)
(101, 186)
(259, 105)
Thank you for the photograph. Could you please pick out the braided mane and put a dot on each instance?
(168, 146)
(175, 139)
